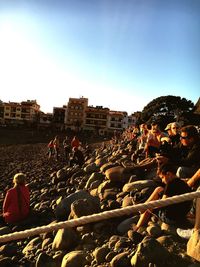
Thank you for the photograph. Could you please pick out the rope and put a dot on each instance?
(100, 216)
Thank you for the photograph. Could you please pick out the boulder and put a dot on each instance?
(75, 259)
(150, 251)
(138, 185)
(65, 239)
(63, 208)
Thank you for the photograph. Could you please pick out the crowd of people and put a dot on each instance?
(73, 150)
(174, 152)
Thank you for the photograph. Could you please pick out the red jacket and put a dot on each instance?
(75, 143)
(11, 212)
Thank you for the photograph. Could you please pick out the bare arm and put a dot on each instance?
(196, 177)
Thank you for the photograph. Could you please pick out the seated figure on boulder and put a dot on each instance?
(172, 214)
(16, 205)
(187, 154)
(77, 158)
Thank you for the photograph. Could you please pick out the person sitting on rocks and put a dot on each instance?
(172, 214)
(168, 129)
(153, 141)
(77, 158)
(16, 205)
(187, 154)
(175, 134)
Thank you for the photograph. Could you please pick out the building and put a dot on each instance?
(45, 120)
(75, 113)
(117, 120)
(132, 119)
(19, 113)
(58, 119)
(96, 119)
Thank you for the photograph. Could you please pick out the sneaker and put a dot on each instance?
(184, 233)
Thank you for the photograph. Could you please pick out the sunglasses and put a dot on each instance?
(185, 137)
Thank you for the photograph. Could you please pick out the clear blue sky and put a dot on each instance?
(119, 53)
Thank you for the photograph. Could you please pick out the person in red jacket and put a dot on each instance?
(75, 142)
(16, 205)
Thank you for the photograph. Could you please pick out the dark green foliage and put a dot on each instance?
(166, 109)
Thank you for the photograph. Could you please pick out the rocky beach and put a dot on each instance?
(60, 193)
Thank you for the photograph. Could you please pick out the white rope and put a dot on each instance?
(100, 216)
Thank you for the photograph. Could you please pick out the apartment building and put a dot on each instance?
(58, 119)
(132, 119)
(45, 120)
(17, 113)
(96, 119)
(75, 113)
(117, 120)
(29, 109)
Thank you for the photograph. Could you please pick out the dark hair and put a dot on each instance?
(167, 167)
(190, 130)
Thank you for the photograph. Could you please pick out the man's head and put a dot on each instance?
(168, 128)
(167, 172)
(189, 135)
(154, 127)
(175, 128)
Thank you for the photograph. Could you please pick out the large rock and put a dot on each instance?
(150, 251)
(193, 246)
(100, 162)
(84, 207)
(107, 166)
(100, 254)
(95, 176)
(45, 260)
(115, 173)
(33, 245)
(65, 239)
(138, 185)
(75, 259)
(121, 260)
(63, 208)
(106, 188)
(91, 168)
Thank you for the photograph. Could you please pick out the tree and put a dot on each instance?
(166, 109)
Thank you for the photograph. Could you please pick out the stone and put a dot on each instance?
(95, 176)
(154, 230)
(150, 251)
(65, 239)
(63, 209)
(75, 259)
(45, 260)
(138, 185)
(100, 254)
(121, 260)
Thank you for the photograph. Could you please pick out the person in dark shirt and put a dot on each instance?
(172, 214)
(77, 158)
(67, 148)
(175, 134)
(186, 156)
